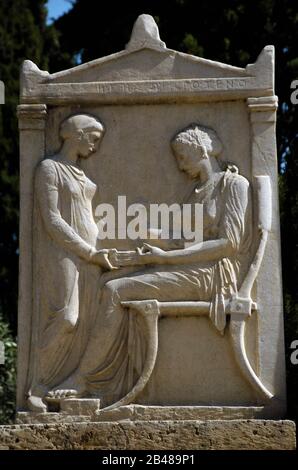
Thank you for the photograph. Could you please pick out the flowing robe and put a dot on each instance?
(66, 292)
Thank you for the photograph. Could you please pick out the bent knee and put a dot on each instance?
(116, 290)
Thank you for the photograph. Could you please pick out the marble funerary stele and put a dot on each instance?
(150, 322)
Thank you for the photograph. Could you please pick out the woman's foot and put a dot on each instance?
(73, 387)
(36, 404)
(61, 393)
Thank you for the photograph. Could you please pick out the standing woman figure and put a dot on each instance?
(67, 261)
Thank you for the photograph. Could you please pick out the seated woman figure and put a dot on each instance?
(209, 271)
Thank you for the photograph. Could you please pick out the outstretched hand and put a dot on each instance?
(149, 254)
(123, 258)
(101, 258)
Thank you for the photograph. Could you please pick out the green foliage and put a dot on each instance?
(20, 38)
(191, 45)
(7, 375)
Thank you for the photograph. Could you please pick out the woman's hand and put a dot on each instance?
(101, 258)
(146, 255)
(123, 258)
(151, 255)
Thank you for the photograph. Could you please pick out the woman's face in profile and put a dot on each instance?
(89, 142)
(189, 160)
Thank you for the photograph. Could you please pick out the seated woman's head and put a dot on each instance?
(193, 145)
(82, 131)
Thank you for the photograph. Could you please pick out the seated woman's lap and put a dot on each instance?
(160, 284)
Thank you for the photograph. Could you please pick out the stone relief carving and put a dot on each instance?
(90, 338)
(96, 334)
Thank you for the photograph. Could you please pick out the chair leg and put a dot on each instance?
(237, 330)
(149, 311)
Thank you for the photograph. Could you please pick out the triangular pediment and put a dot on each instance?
(146, 64)
(146, 58)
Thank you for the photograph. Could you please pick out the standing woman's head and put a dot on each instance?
(194, 145)
(83, 132)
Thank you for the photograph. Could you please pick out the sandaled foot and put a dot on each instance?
(59, 394)
(36, 404)
(73, 387)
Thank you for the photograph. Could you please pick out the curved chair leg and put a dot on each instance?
(150, 312)
(237, 329)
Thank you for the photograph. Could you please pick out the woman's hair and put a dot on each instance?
(71, 126)
(197, 136)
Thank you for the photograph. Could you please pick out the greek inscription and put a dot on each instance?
(173, 86)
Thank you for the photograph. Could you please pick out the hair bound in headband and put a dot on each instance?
(73, 124)
(199, 136)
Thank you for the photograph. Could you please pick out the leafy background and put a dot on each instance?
(230, 31)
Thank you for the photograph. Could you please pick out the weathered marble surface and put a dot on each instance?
(157, 435)
(158, 126)
(74, 410)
